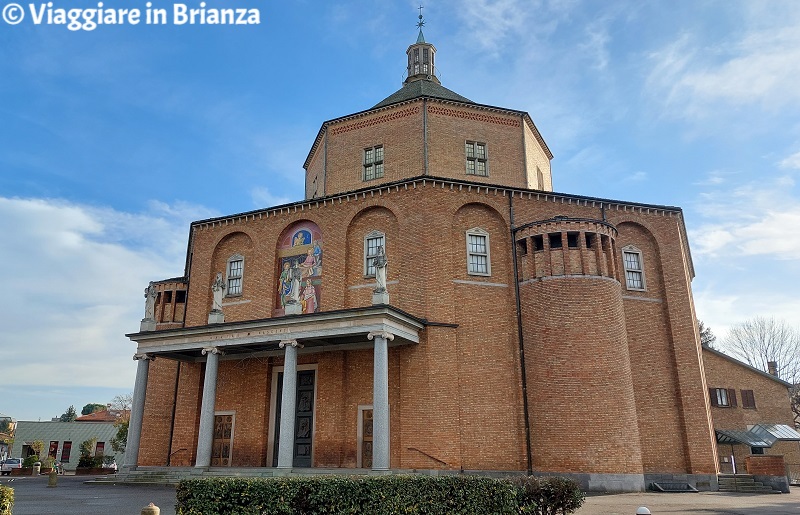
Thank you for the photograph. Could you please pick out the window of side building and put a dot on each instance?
(748, 399)
(478, 260)
(477, 160)
(634, 270)
(722, 397)
(373, 163)
(372, 242)
(235, 275)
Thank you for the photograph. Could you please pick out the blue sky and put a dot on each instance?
(112, 141)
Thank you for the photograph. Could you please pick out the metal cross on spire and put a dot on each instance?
(421, 22)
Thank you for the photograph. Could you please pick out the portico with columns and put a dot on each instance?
(375, 327)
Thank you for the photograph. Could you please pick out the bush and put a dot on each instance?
(548, 495)
(91, 462)
(30, 460)
(6, 500)
(342, 494)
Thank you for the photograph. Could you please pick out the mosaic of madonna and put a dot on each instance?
(300, 246)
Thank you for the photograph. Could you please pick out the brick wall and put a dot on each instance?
(765, 465)
(613, 382)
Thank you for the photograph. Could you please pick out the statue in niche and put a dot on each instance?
(150, 295)
(296, 275)
(380, 263)
(218, 288)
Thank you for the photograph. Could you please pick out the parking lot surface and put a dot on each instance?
(74, 496)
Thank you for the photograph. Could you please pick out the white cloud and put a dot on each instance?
(748, 221)
(490, 23)
(264, 198)
(74, 286)
(761, 67)
(791, 162)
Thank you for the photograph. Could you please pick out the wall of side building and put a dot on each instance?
(772, 406)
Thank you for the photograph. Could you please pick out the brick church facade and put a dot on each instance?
(516, 329)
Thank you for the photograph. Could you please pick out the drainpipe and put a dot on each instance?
(529, 455)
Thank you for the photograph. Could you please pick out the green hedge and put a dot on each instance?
(418, 494)
(6, 500)
(404, 494)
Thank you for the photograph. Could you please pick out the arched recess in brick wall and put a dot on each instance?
(236, 244)
(484, 305)
(478, 216)
(637, 235)
(301, 247)
(653, 365)
(370, 224)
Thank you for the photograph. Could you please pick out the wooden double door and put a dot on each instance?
(303, 419)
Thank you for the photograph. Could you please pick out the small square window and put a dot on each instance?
(722, 397)
(538, 242)
(572, 240)
(555, 240)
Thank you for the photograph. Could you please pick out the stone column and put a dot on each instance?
(137, 410)
(205, 436)
(380, 400)
(288, 404)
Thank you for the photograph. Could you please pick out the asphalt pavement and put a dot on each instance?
(74, 496)
(32, 496)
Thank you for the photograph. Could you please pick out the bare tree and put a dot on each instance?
(760, 341)
(123, 403)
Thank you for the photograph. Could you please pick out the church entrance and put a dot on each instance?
(223, 439)
(304, 418)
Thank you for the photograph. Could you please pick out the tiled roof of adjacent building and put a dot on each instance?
(100, 416)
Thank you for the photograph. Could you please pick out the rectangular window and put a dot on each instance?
(370, 251)
(167, 297)
(65, 452)
(235, 269)
(53, 451)
(748, 399)
(555, 240)
(180, 296)
(478, 254)
(589, 240)
(477, 163)
(572, 239)
(634, 275)
(373, 163)
(99, 449)
(722, 397)
(538, 242)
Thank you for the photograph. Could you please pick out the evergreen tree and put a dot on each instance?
(69, 416)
